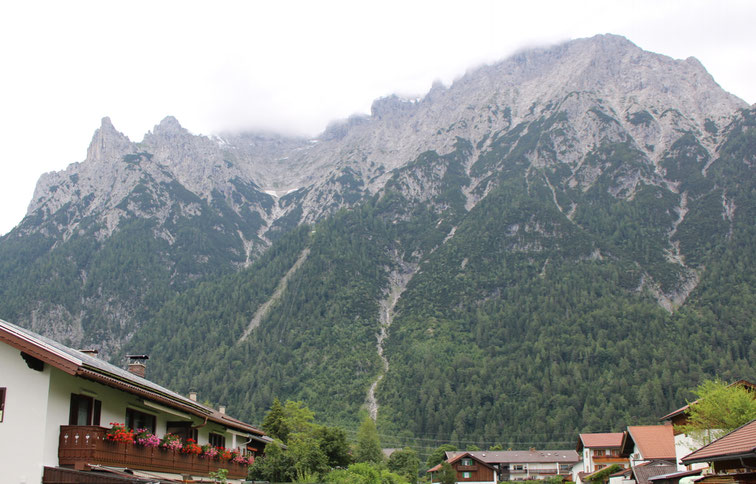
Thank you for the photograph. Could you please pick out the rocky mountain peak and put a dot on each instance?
(108, 144)
(391, 106)
(169, 128)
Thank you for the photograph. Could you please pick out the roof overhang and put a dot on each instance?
(717, 458)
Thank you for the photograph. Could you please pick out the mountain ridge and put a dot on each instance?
(549, 215)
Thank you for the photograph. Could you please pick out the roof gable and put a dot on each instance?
(653, 441)
(456, 458)
(601, 440)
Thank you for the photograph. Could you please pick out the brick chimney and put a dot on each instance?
(136, 364)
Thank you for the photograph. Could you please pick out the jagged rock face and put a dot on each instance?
(650, 98)
(564, 115)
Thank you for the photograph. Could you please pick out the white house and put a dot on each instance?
(597, 451)
(56, 406)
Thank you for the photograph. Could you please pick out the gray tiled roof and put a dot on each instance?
(521, 456)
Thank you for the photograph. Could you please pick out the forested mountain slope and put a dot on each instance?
(562, 241)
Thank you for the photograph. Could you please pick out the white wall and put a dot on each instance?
(684, 445)
(23, 427)
(114, 405)
(577, 468)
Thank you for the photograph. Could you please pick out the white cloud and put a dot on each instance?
(290, 65)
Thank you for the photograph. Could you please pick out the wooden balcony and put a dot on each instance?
(83, 446)
(610, 459)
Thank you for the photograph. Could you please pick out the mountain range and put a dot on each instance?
(559, 242)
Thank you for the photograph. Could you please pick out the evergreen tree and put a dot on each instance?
(333, 442)
(447, 474)
(274, 423)
(439, 454)
(406, 463)
(368, 444)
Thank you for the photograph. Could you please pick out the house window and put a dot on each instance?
(140, 420)
(2, 403)
(565, 467)
(84, 410)
(598, 453)
(465, 475)
(467, 462)
(217, 440)
(182, 429)
(518, 467)
(615, 452)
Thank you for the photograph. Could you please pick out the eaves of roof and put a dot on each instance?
(741, 442)
(76, 363)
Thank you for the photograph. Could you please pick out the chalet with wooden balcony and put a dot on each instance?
(56, 409)
(599, 450)
(469, 468)
(514, 465)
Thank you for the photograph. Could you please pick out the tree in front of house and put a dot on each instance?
(439, 454)
(719, 409)
(447, 474)
(406, 463)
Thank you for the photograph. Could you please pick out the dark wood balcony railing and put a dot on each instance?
(83, 446)
(609, 459)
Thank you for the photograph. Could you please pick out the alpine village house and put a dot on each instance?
(58, 406)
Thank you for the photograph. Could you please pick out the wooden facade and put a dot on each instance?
(477, 472)
(84, 446)
(468, 469)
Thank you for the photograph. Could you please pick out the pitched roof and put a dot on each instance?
(739, 442)
(646, 471)
(675, 475)
(654, 441)
(520, 456)
(86, 366)
(613, 439)
(455, 458)
(742, 383)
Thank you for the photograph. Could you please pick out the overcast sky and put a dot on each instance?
(291, 66)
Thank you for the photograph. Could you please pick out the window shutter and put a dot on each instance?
(74, 410)
(2, 404)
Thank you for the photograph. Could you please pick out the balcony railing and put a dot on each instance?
(83, 446)
(609, 459)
